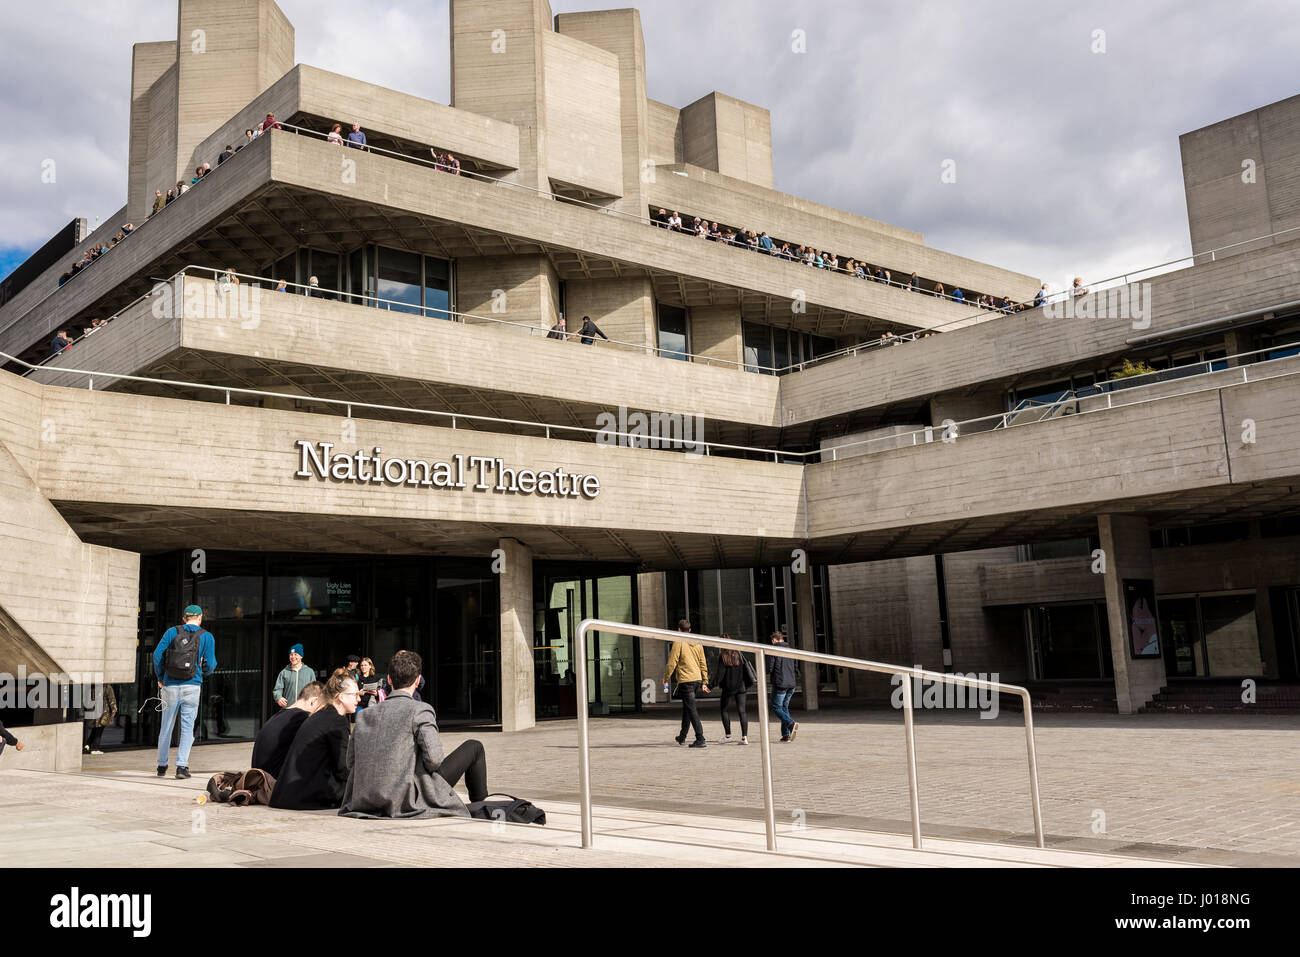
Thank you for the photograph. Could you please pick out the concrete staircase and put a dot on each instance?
(1223, 696)
(1067, 697)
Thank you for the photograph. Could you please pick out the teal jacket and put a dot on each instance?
(290, 682)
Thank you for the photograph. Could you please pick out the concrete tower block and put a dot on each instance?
(149, 62)
(496, 71)
(619, 32)
(730, 136)
(227, 52)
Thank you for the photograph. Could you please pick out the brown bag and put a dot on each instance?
(241, 787)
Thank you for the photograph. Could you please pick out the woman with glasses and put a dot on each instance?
(315, 769)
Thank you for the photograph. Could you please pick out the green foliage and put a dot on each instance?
(1129, 369)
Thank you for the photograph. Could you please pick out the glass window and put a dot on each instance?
(1231, 635)
(672, 332)
(399, 280)
(437, 288)
(758, 349)
(781, 350)
(357, 275)
(325, 267)
(467, 631)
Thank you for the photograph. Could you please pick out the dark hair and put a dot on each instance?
(683, 624)
(777, 636)
(312, 689)
(404, 669)
(730, 656)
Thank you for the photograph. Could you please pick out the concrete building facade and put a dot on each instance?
(362, 413)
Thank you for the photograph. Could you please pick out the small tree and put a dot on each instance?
(1129, 369)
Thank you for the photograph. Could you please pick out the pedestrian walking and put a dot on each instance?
(687, 666)
(734, 679)
(184, 655)
(781, 680)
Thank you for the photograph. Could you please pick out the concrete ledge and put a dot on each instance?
(46, 747)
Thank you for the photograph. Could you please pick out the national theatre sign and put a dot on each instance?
(485, 473)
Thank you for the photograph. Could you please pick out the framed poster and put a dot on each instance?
(1140, 610)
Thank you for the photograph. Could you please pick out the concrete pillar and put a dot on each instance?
(1125, 540)
(518, 695)
(652, 613)
(803, 596)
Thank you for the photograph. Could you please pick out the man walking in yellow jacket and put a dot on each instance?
(687, 661)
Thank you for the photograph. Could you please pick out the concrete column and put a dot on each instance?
(1125, 540)
(652, 614)
(518, 695)
(803, 596)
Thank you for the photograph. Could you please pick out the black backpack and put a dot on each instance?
(181, 660)
(516, 810)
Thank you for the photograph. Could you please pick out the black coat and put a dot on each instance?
(781, 673)
(316, 768)
(730, 679)
(272, 744)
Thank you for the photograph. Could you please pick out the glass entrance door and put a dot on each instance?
(1182, 628)
(613, 661)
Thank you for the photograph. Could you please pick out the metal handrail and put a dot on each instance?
(784, 651)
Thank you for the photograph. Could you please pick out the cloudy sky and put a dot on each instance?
(1066, 160)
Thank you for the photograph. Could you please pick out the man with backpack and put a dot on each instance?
(185, 654)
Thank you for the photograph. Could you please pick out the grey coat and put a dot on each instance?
(393, 759)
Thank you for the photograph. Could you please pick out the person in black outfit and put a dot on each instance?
(589, 331)
(315, 769)
(781, 676)
(733, 679)
(271, 746)
(7, 738)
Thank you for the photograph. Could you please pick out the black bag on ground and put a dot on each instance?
(516, 810)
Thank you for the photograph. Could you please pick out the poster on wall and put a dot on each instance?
(1140, 607)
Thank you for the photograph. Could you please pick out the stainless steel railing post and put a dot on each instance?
(765, 739)
(1033, 768)
(912, 786)
(584, 762)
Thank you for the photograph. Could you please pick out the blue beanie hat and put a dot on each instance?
(297, 648)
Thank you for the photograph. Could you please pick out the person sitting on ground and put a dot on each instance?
(395, 763)
(589, 331)
(315, 770)
(335, 135)
(271, 746)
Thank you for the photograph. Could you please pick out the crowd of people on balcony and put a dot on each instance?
(95, 251)
(761, 242)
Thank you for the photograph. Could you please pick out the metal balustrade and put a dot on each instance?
(765, 738)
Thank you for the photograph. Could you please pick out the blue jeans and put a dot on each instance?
(781, 705)
(182, 700)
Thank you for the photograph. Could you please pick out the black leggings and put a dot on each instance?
(467, 761)
(739, 698)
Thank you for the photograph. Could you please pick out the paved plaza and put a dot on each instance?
(1194, 789)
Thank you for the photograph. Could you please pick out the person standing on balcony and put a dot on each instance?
(589, 331)
(687, 664)
(59, 343)
(336, 135)
(357, 139)
(559, 330)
